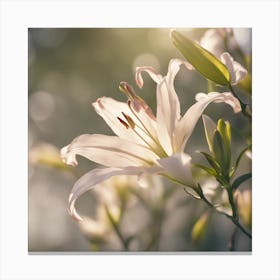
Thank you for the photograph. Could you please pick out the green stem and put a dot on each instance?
(243, 105)
(232, 203)
(117, 229)
(242, 228)
(232, 218)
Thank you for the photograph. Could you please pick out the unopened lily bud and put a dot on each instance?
(244, 204)
(48, 155)
(222, 145)
(201, 59)
(199, 228)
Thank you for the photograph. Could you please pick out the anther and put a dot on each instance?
(123, 123)
(129, 120)
(127, 90)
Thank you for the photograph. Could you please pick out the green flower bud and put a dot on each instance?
(199, 228)
(244, 203)
(222, 146)
(202, 60)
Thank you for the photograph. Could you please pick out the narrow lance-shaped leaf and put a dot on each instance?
(209, 128)
(209, 170)
(238, 181)
(212, 161)
(201, 59)
(239, 158)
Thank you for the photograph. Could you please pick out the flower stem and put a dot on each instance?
(117, 229)
(244, 107)
(233, 218)
(242, 228)
(232, 204)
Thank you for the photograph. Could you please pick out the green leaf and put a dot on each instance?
(238, 181)
(239, 158)
(209, 129)
(201, 59)
(212, 161)
(209, 170)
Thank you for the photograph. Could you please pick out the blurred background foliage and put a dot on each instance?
(68, 69)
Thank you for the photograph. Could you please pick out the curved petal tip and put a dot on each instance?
(72, 210)
(67, 156)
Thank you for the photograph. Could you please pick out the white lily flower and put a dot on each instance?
(145, 143)
(236, 70)
(214, 40)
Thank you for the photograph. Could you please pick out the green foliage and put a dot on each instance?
(238, 159)
(219, 142)
(209, 170)
(212, 161)
(239, 180)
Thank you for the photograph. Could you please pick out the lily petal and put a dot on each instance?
(237, 71)
(168, 105)
(178, 168)
(217, 97)
(92, 178)
(108, 108)
(168, 87)
(186, 125)
(213, 41)
(151, 71)
(107, 150)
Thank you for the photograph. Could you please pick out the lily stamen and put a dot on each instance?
(127, 90)
(131, 124)
(129, 120)
(145, 130)
(123, 123)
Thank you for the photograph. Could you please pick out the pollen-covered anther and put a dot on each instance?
(129, 120)
(123, 123)
(128, 90)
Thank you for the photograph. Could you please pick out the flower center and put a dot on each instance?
(137, 106)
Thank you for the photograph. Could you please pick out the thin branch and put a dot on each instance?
(244, 107)
(117, 229)
(232, 218)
